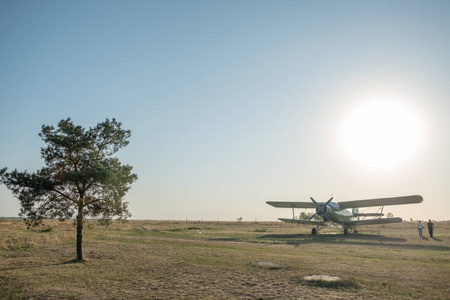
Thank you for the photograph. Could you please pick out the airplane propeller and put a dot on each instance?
(321, 209)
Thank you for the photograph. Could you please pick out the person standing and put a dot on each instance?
(430, 228)
(419, 228)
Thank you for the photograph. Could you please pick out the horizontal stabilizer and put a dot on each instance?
(302, 221)
(286, 204)
(381, 202)
(373, 221)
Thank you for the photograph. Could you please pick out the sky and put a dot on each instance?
(234, 103)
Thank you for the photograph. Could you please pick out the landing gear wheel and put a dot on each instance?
(345, 231)
(314, 231)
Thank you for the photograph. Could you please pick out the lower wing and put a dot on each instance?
(373, 221)
(302, 221)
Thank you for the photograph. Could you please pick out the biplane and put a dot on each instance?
(338, 215)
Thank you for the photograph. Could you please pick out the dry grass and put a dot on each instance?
(220, 260)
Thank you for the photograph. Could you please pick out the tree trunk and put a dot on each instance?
(80, 231)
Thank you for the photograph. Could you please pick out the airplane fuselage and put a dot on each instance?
(338, 215)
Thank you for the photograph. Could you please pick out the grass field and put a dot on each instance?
(222, 260)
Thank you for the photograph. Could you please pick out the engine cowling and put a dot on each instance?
(322, 209)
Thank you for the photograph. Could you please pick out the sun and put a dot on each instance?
(381, 134)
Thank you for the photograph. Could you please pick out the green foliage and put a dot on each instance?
(305, 216)
(79, 172)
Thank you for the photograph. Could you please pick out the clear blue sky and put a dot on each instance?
(233, 103)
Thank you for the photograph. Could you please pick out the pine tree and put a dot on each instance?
(81, 177)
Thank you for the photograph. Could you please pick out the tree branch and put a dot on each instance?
(65, 196)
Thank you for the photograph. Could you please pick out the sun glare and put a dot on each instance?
(381, 134)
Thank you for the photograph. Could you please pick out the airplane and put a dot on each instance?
(336, 213)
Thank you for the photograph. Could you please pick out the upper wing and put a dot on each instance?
(302, 221)
(381, 202)
(373, 221)
(286, 204)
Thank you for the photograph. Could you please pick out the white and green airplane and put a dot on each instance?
(336, 213)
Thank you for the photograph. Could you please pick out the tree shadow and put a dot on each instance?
(72, 261)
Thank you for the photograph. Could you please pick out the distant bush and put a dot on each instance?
(194, 228)
(175, 229)
(47, 229)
